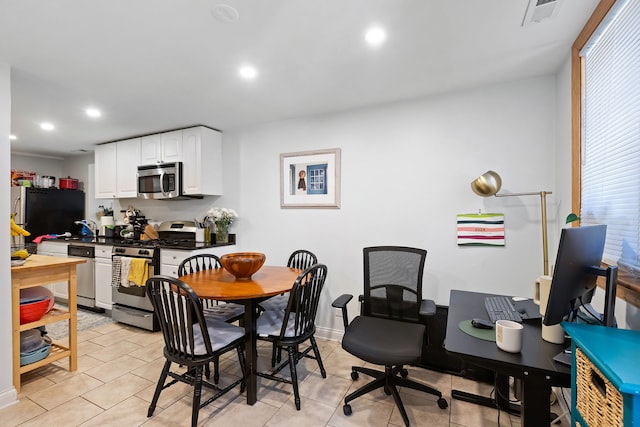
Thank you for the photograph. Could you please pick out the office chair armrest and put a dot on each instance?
(341, 303)
(427, 307)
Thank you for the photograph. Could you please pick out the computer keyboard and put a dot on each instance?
(501, 308)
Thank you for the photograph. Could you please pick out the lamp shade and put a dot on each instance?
(487, 184)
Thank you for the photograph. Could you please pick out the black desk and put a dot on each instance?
(534, 365)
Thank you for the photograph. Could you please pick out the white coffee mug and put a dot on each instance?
(509, 336)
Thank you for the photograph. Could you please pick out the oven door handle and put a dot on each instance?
(149, 261)
(162, 189)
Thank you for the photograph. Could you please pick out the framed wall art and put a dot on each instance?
(310, 179)
(481, 229)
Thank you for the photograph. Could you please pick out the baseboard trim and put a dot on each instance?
(8, 397)
(329, 334)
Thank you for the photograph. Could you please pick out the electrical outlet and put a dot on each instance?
(338, 312)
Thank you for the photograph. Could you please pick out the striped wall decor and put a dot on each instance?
(481, 229)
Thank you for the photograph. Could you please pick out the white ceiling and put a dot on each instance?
(154, 65)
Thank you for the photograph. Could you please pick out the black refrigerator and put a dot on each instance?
(46, 211)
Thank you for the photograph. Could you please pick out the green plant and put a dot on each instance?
(572, 218)
(104, 211)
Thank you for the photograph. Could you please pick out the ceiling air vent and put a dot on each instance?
(540, 10)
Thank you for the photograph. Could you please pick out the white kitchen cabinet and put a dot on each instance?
(202, 161)
(116, 168)
(105, 170)
(56, 248)
(103, 277)
(128, 153)
(150, 149)
(163, 147)
(198, 148)
(170, 259)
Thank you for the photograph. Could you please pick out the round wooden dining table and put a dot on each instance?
(219, 284)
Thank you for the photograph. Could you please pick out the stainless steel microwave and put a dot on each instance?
(161, 181)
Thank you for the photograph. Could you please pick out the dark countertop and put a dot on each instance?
(108, 241)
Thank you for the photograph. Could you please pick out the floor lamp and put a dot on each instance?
(489, 183)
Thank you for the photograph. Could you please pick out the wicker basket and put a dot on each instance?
(597, 399)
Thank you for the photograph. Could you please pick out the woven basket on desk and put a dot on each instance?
(597, 399)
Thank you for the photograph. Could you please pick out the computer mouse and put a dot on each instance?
(481, 324)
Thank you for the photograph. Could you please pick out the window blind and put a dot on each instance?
(611, 135)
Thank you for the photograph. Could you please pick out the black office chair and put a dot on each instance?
(389, 330)
(190, 340)
(300, 259)
(296, 324)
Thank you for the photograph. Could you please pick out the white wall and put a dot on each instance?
(406, 171)
(41, 165)
(7, 391)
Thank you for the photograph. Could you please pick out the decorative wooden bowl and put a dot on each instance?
(243, 264)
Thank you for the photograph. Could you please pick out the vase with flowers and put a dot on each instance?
(222, 218)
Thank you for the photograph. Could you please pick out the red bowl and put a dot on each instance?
(33, 311)
(243, 264)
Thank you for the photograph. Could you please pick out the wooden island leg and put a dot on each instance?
(15, 332)
(73, 318)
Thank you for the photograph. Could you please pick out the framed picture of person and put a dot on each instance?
(310, 179)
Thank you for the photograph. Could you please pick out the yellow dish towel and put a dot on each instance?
(139, 272)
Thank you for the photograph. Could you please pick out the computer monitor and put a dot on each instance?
(576, 271)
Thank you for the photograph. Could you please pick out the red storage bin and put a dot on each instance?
(33, 311)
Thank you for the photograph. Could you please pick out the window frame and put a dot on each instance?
(628, 287)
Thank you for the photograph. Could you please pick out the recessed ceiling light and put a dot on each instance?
(375, 36)
(248, 72)
(93, 112)
(47, 126)
(13, 137)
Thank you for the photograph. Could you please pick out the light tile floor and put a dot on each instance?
(119, 366)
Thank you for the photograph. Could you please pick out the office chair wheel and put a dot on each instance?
(404, 373)
(346, 409)
(387, 391)
(354, 375)
(442, 403)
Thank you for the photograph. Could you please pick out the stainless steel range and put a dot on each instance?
(131, 305)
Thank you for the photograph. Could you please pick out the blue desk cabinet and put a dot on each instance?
(605, 376)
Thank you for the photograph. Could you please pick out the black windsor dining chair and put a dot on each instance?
(191, 341)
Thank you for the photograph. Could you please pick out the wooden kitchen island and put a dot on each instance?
(41, 270)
